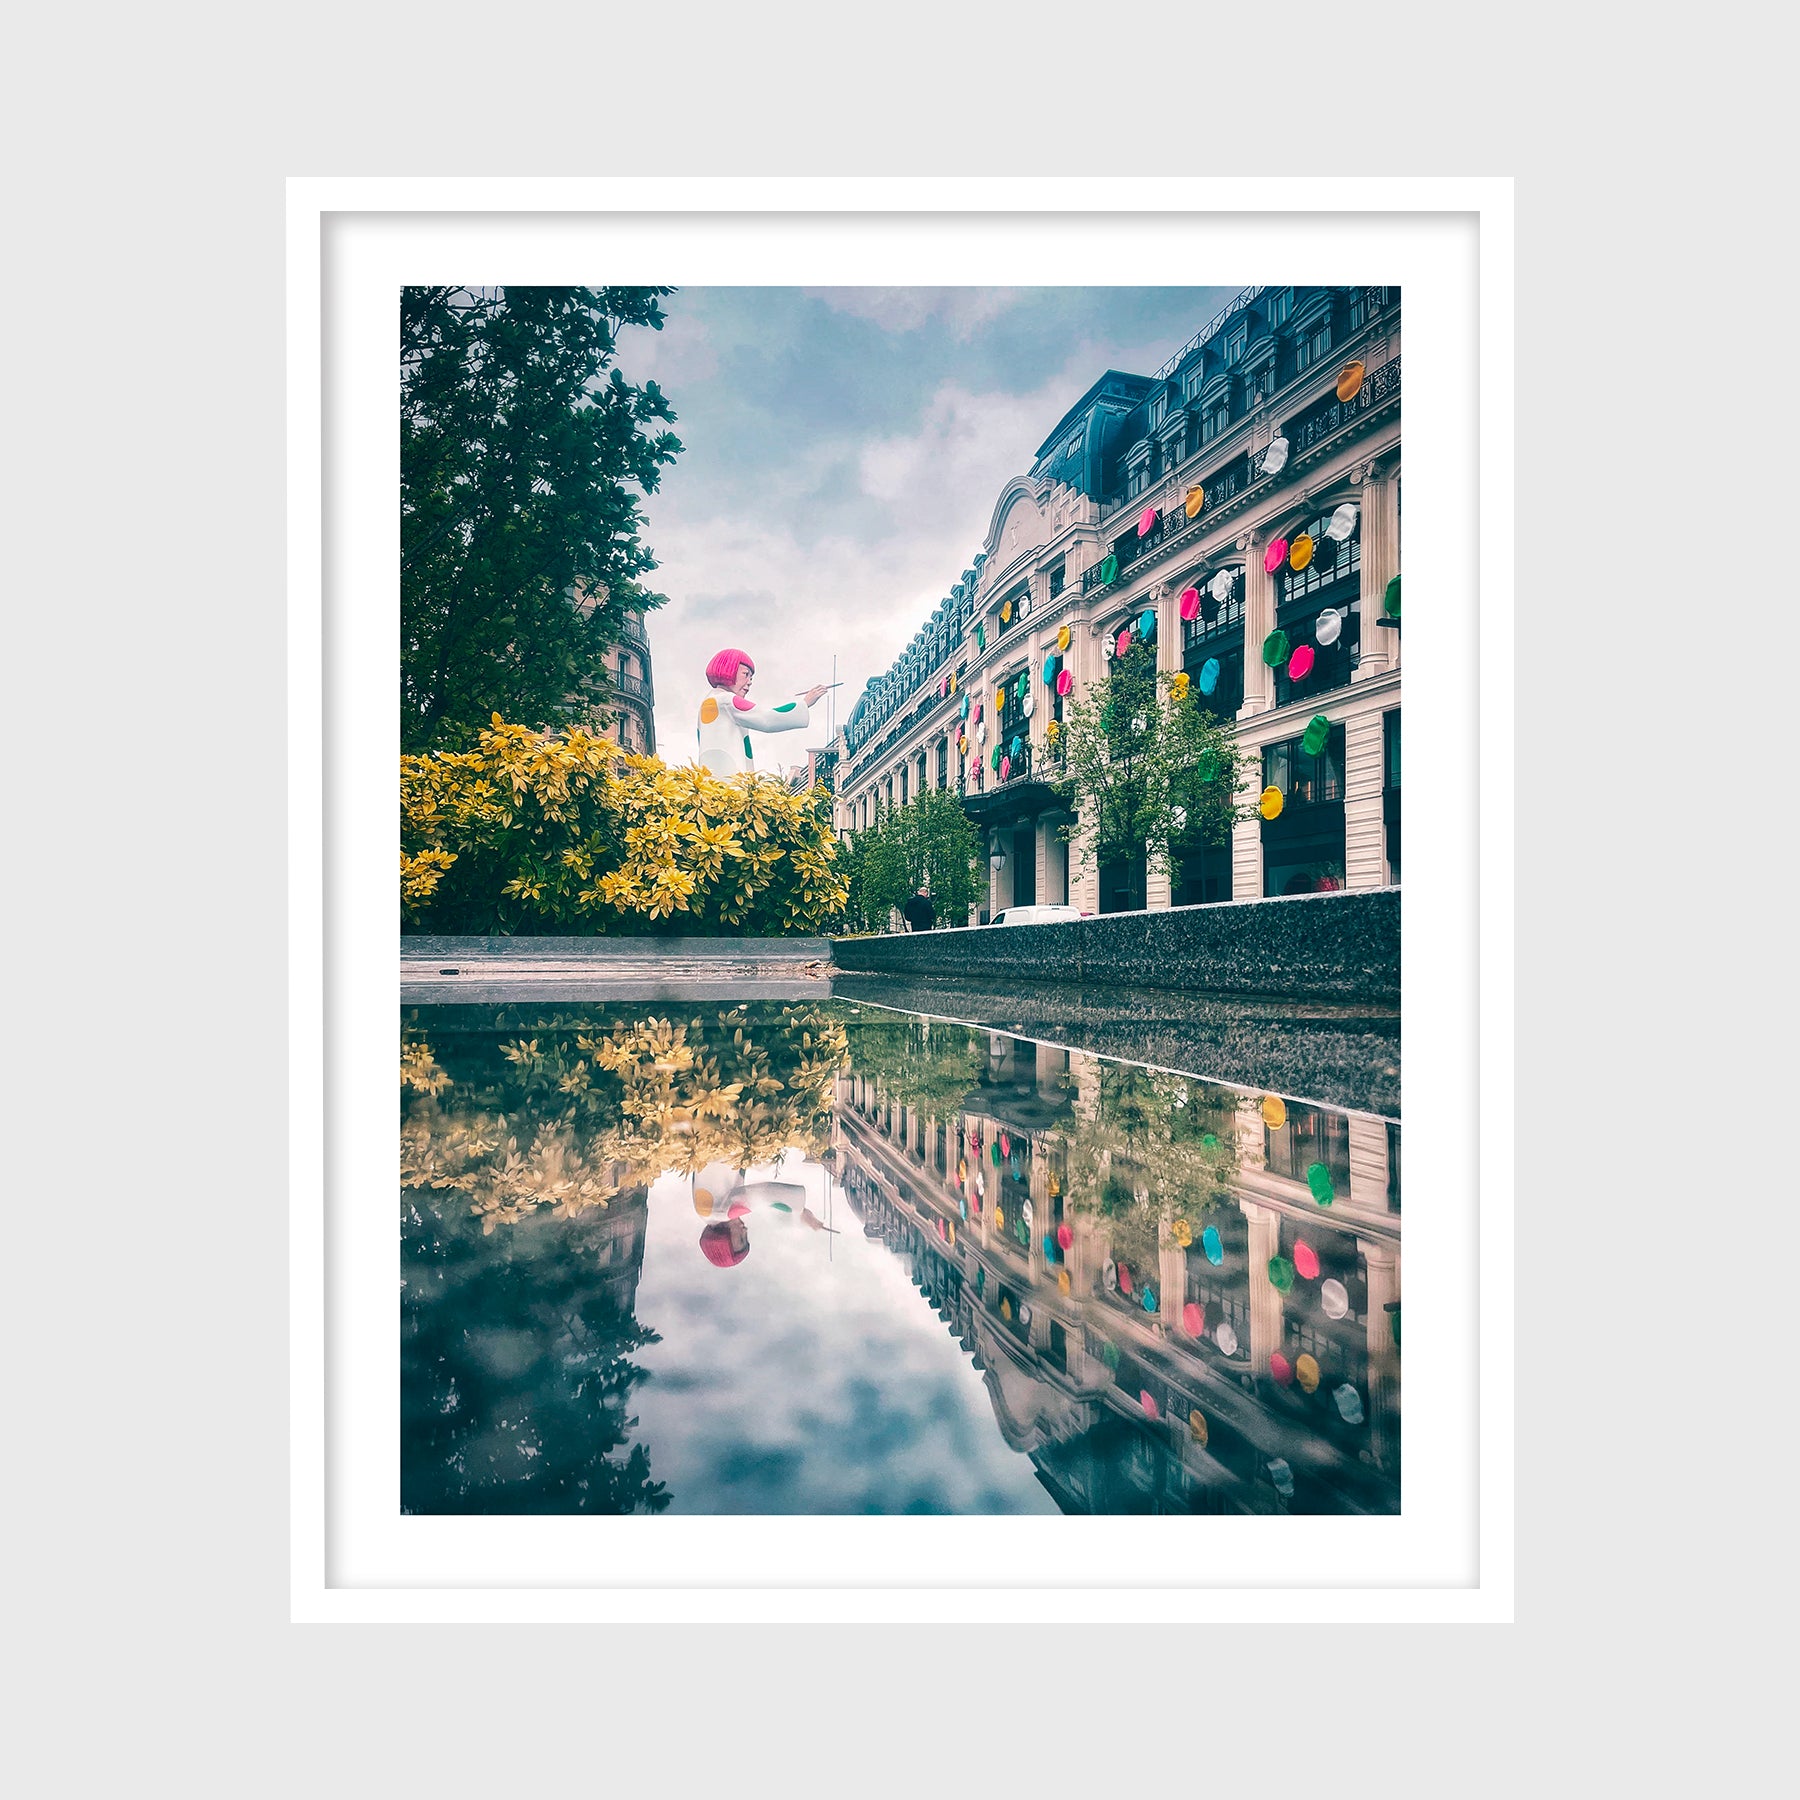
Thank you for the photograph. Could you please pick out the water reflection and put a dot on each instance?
(832, 1258)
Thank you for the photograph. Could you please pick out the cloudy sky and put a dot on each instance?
(844, 450)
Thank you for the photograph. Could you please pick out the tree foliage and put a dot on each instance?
(930, 840)
(523, 451)
(535, 832)
(1147, 766)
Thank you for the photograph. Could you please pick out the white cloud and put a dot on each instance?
(962, 309)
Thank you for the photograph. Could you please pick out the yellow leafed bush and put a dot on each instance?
(566, 833)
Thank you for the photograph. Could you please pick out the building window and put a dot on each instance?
(1190, 388)
(1332, 579)
(1159, 409)
(1314, 345)
(1235, 340)
(1056, 581)
(1305, 779)
(902, 787)
(1075, 445)
(1281, 307)
(1137, 480)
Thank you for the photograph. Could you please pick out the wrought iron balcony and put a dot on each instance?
(1332, 415)
(633, 687)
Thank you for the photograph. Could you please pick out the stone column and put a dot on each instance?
(1158, 890)
(1379, 529)
(1168, 628)
(1171, 1282)
(1246, 836)
(1369, 1165)
(1084, 871)
(1365, 833)
(1259, 621)
(1265, 1299)
(1382, 1401)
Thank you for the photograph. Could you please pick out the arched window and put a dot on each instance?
(1331, 581)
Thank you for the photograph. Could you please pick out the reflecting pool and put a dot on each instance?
(831, 1257)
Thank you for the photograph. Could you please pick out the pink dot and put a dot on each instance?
(1148, 1403)
(1064, 1237)
(1193, 1318)
(1281, 1368)
(1306, 1261)
(743, 702)
(1190, 603)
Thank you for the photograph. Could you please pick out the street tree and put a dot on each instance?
(930, 842)
(523, 454)
(1149, 771)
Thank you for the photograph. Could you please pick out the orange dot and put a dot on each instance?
(709, 710)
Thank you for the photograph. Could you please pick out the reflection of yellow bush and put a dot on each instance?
(532, 833)
(587, 1107)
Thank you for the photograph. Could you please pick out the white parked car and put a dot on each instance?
(1037, 915)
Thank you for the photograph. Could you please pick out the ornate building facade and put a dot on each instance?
(626, 712)
(1244, 496)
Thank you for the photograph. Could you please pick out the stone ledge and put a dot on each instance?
(1342, 946)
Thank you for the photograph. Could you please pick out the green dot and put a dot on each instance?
(747, 750)
(786, 706)
(1275, 647)
(1281, 1274)
(1390, 599)
(1318, 1178)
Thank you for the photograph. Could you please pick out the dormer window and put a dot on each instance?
(1281, 307)
(1216, 418)
(1313, 344)
(1190, 388)
(1235, 340)
(1159, 409)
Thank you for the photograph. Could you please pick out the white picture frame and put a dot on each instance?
(351, 241)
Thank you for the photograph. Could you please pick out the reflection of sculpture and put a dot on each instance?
(728, 714)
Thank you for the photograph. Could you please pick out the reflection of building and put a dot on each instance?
(979, 1200)
(624, 709)
(1277, 413)
(616, 1242)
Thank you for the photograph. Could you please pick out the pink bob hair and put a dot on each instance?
(722, 671)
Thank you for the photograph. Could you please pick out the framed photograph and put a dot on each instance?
(896, 693)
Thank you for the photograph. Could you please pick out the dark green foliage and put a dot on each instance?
(522, 454)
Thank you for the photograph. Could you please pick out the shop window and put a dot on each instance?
(1310, 1135)
(1304, 779)
(1122, 885)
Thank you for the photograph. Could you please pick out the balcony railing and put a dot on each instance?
(1330, 416)
(631, 630)
(633, 687)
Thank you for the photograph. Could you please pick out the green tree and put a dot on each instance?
(928, 841)
(523, 451)
(1147, 767)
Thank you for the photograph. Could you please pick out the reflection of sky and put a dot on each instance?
(811, 1377)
